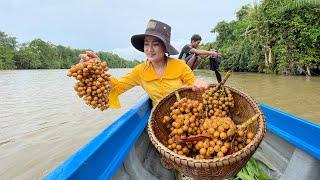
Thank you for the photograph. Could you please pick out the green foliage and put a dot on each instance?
(115, 61)
(7, 50)
(293, 4)
(252, 171)
(39, 54)
(275, 36)
(26, 58)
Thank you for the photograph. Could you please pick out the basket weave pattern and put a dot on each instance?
(245, 107)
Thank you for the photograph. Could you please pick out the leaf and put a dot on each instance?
(252, 171)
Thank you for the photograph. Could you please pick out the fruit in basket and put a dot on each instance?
(93, 82)
(182, 123)
(204, 129)
(217, 167)
(196, 132)
(218, 103)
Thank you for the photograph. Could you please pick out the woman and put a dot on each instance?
(158, 76)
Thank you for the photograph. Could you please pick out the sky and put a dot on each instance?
(105, 25)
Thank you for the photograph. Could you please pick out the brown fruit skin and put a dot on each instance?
(250, 135)
(220, 154)
(93, 83)
(69, 73)
(207, 118)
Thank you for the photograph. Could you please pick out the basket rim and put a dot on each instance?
(216, 162)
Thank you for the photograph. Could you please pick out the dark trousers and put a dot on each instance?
(214, 66)
(193, 61)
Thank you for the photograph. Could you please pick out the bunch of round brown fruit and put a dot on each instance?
(218, 103)
(197, 134)
(220, 132)
(93, 83)
(222, 138)
(184, 120)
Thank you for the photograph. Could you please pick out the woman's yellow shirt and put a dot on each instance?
(176, 74)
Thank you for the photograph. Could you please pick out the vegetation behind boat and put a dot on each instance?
(272, 37)
(39, 54)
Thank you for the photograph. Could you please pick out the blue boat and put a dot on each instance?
(290, 150)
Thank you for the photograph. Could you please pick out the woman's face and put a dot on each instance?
(154, 49)
(195, 44)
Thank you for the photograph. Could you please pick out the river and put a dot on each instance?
(43, 121)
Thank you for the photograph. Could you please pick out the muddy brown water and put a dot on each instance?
(43, 122)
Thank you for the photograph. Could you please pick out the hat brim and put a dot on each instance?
(137, 41)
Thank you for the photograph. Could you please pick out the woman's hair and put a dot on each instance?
(196, 37)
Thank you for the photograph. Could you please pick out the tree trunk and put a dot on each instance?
(266, 59)
(308, 71)
(270, 55)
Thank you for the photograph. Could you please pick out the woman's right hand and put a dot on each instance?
(200, 85)
(88, 56)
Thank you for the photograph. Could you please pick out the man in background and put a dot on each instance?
(192, 55)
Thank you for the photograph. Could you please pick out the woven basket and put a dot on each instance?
(226, 167)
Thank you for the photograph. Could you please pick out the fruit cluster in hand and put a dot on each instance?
(93, 82)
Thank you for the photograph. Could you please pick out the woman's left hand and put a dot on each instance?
(89, 55)
(200, 85)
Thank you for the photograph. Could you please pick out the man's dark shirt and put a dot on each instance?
(185, 52)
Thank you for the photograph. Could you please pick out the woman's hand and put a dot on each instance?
(200, 85)
(89, 55)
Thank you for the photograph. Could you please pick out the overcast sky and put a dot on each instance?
(108, 25)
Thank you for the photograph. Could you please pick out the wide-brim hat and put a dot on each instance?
(157, 29)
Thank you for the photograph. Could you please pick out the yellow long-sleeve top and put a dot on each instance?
(176, 74)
